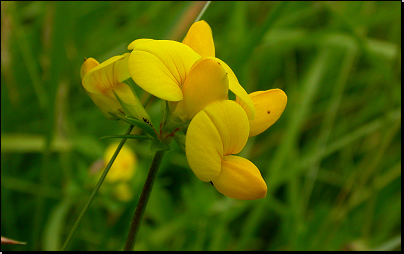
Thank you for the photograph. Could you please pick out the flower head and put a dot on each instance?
(216, 133)
(187, 74)
(105, 84)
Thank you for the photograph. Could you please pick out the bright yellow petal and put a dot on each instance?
(240, 179)
(203, 146)
(87, 66)
(103, 80)
(107, 75)
(242, 96)
(232, 124)
(199, 38)
(206, 82)
(269, 106)
(137, 42)
(160, 67)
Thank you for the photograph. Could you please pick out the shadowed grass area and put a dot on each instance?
(332, 162)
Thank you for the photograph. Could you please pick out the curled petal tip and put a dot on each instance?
(269, 106)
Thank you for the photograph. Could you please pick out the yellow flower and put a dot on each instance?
(186, 74)
(199, 38)
(104, 82)
(124, 166)
(196, 84)
(214, 134)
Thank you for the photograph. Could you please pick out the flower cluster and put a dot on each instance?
(195, 85)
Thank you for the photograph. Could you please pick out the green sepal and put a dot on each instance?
(142, 125)
(180, 140)
(158, 145)
(170, 121)
(135, 109)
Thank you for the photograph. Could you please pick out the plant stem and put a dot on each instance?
(142, 203)
(97, 187)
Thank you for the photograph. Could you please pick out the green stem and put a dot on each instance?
(142, 203)
(104, 174)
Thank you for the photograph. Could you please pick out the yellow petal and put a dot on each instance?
(240, 179)
(269, 106)
(232, 124)
(206, 82)
(203, 146)
(103, 80)
(137, 42)
(87, 66)
(160, 67)
(199, 38)
(242, 96)
(107, 75)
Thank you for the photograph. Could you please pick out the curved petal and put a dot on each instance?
(232, 124)
(203, 147)
(242, 96)
(199, 38)
(107, 75)
(160, 67)
(240, 179)
(137, 42)
(269, 106)
(87, 66)
(102, 81)
(206, 82)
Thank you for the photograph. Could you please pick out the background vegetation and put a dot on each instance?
(332, 162)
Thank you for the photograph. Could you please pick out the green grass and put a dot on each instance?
(332, 162)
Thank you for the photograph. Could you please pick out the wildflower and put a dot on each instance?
(217, 132)
(105, 84)
(186, 74)
(199, 38)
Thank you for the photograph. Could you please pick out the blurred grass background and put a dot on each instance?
(332, 162)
